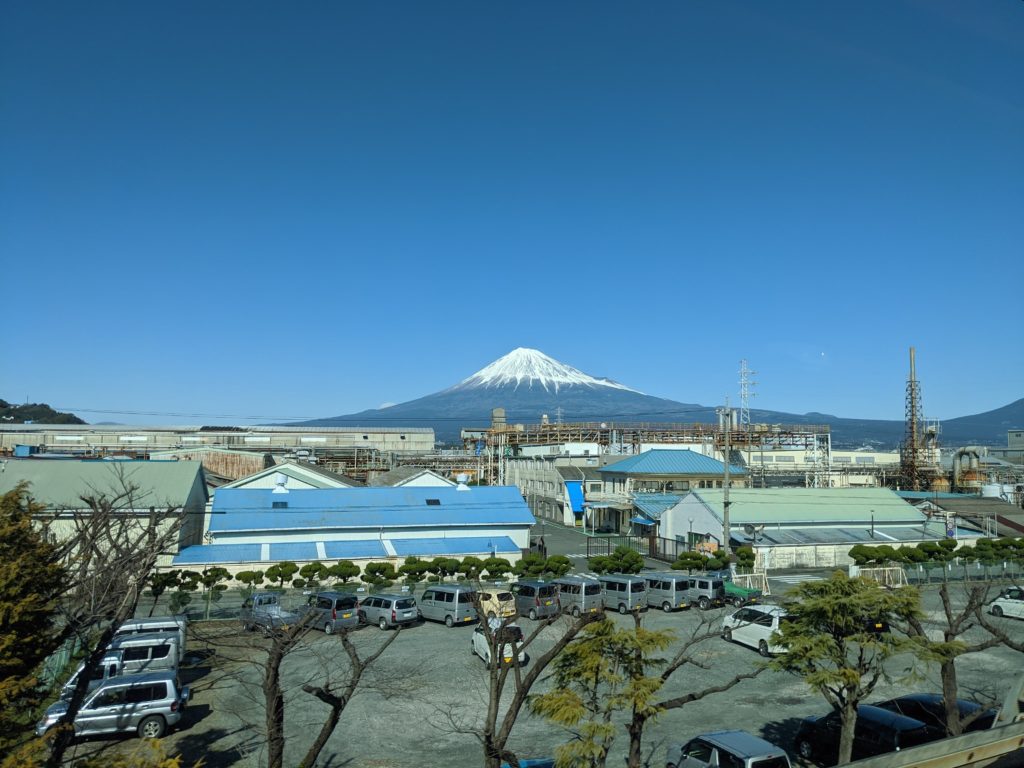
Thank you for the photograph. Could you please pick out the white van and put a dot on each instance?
(146, 653)
(110, 666)
(175, 625)
(754, 626)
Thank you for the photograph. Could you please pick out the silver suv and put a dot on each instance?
(388, 611)
(148, 704)
(726, 749)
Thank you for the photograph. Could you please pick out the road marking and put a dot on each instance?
(797, 578)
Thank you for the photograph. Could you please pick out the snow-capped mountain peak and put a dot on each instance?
(526, 367)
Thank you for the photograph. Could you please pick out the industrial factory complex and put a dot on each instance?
(257, 495)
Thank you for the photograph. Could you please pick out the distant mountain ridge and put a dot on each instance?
(527, 383)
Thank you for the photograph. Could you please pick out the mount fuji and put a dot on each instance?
(528, 384)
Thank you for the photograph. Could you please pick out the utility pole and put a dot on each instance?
(725, 415)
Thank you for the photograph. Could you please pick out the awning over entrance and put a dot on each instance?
(575, 488)
(642, 521)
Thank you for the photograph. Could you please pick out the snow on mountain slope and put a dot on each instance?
(531, 366)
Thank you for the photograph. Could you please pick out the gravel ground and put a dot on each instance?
(428, 683)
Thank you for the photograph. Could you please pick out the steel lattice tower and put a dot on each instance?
(910, 454)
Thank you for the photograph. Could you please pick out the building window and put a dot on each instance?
(865, 459)
(433, 502)
(786, 458)
(841, 460)
(401, 437)
(280, 505)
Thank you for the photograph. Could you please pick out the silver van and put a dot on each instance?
(668, 591)
(146, 653)
(579, 594)
(148, 704)
(388, 611)
(536, 599)
(177, 625)
(332, 611)
(624, 591)
(451, 603)
(110, 666)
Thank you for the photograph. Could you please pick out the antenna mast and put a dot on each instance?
(746, 384)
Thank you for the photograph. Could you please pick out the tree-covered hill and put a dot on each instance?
(39, 413)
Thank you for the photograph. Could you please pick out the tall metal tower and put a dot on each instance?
(911, 452)
(746, 384)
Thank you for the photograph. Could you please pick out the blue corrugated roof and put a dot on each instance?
(353, 550)
(654, 505)
(468, 545)
(251, 509)
(669, 462)
(294, 550)
(217, 553)
(575, 488)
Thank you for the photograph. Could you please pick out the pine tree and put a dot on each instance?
(828, 642)
(31, 580)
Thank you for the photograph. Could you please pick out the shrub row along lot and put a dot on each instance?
(428, 690)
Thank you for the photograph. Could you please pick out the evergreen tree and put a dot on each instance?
(343, 570)
(828, 643)
(604, 672)
(622, 560)
(32, 579)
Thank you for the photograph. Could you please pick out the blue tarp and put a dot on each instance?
(642, 521)
(575, 488)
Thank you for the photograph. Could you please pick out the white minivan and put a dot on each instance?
(754, 626)
(1009, 603)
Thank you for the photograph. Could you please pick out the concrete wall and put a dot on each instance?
(56, 438)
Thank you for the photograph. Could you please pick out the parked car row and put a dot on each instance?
(135, 687)
(454, 604)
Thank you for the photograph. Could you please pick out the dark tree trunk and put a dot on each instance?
(949, 695)
(274, 701)
(635, 729)
(848, 716)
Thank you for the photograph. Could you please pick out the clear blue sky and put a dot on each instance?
(264, 209)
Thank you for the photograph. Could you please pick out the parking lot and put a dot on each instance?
(427, 693)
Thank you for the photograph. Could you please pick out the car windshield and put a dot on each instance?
(505, 596)
(771, 762)
(592, 589)
(465, 597)
(405, 603)
(639, 586)
(548, 591)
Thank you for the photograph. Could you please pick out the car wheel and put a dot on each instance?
(449, 622)
(623, 609)
(575, 611)
(727, 635)
(997, 611)
(383, 623)
(670, 765)
(703, 603)
(152, 728)
(532, 614)
(666, 607)
(804, 749)
(762, 648)
(329, 628)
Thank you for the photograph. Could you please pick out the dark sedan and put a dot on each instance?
(878, 732)
(929, 709)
